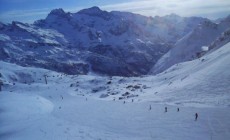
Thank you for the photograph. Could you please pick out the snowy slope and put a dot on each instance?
(208, 74)
(190, 46)
(204, 77)
(71, 107)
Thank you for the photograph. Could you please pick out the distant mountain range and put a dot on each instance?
(93, 41)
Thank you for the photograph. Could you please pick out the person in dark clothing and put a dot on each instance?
(150, 107)
(166, 109)
(1, 84)
(196, 116)
(178, 109)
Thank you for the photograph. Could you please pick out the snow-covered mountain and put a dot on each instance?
(192, 45)
(92, 40)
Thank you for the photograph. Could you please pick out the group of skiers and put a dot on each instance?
(166, 110)
(178, 109)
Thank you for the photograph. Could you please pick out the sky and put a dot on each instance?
(30, 10)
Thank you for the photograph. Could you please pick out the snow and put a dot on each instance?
(93, 119)
(31, 40)
(204, 48)
(186, 48)
(68, 106)
(47, 35)
(141, 41)
(205, 75)
(4, 37)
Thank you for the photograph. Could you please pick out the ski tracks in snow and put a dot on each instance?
(217, 128)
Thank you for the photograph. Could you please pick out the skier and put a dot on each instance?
(166, 109)
(132, 100)
(196, 116)
(1, 84)
(150, 107)
(124, 102)
(178, 109)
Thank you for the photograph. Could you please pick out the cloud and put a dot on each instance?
(24, 15)
(206, 8)
(180, 7)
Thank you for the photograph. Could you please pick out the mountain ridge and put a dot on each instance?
(92, 40)
(190, 46)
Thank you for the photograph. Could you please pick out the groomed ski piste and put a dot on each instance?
(91, 107)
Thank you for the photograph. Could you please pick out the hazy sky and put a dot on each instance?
(30, 10)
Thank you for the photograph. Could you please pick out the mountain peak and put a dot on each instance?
(58, 11)
(96, 12)
(94, 8)
(172, 15)
(91, 10)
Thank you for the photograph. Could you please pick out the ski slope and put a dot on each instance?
(71, 107)
(26, 116)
